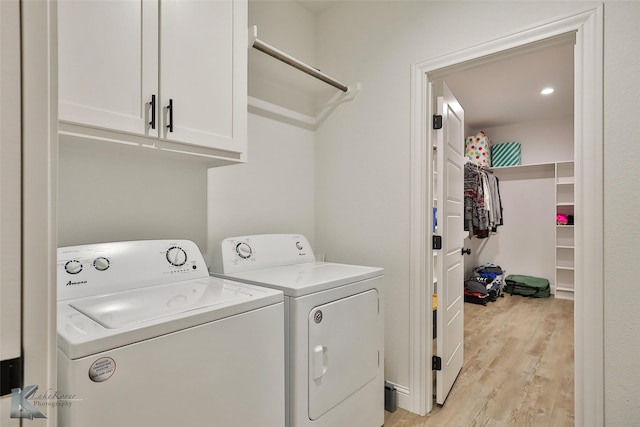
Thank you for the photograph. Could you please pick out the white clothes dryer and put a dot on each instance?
(147, 338)
(333, 328)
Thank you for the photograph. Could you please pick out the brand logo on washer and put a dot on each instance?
(70, 283)
(317, 316)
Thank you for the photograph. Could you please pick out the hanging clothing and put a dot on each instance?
(494, 190)
(482, 204)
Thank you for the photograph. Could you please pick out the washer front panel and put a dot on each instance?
(229, 373)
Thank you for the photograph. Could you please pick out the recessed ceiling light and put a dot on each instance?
(547, 91)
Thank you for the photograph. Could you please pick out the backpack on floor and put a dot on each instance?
(528, 286)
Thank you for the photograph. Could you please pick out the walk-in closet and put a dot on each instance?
(529, 224)
(535, 237)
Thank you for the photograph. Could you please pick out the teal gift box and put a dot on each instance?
(505, 154)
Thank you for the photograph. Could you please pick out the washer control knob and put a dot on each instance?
(299, 246)
(73, 267)
(101, 263)
(176, 256)
(243, 250)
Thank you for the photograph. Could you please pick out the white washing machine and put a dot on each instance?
(147, 338)
(333, 328)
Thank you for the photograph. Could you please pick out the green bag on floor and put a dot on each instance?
(527, 286)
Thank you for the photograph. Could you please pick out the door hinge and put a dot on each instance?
(437, 121)
(436, 363)
(437, 242)
(10, 375)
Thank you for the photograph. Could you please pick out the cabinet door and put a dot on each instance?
(108, 63)
(203, 72)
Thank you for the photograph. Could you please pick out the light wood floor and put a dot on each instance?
(518, 368)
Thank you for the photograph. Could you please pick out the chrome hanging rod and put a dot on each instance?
(477, 167)
(290, 60)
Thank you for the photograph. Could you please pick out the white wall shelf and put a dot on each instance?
(268, 109)
(525, 166)
(565, 203)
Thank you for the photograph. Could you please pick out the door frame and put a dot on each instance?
(589, 231)
(39, 198)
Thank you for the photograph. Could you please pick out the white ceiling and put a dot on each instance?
(507, 90)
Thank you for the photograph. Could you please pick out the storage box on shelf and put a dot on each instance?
(506, 154)
(160, 74)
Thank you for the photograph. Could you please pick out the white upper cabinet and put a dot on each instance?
(108, 63)
(197, 76)
(170, 71)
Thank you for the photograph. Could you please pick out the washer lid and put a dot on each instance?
(140, 305)
(306, 278)
(94, 324)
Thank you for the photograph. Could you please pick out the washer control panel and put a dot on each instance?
(99, 268)
(260, 251)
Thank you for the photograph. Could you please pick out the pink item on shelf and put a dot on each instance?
(562, 219)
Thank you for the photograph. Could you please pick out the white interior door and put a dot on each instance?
(450, 267)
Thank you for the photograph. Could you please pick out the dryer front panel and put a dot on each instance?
(343, 349)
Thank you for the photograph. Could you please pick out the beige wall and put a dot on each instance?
(621, 203)
(271, 193)
(362, 156)
(350, 179)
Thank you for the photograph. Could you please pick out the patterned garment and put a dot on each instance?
(482, 204)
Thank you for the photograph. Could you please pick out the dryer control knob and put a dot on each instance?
(73, 267)
(243, 250)
(176, 256)
(101, 263)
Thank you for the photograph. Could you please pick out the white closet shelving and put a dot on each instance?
(563, 174)
(565, 203)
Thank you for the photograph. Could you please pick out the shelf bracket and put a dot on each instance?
(265, 108)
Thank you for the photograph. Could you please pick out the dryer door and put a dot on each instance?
(343, 349)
